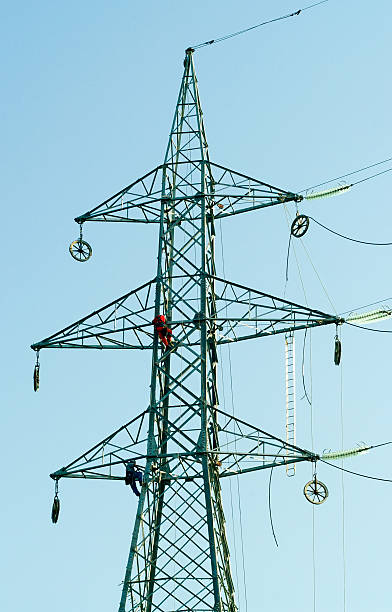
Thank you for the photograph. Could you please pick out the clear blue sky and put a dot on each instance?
(88, 94)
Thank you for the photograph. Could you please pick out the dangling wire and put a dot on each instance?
(287, 259)
(317, 274)
(296, 258)
(303, 369)
(269, 506)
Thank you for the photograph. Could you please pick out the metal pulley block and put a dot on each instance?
(315, 491)
(80, 249)
(36, 377)
(299, 226)
(338, 351)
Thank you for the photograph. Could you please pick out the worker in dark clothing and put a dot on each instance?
(164, 333)
(132, 476)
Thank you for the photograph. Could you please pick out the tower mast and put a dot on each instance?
(179, 556)
(178, 543)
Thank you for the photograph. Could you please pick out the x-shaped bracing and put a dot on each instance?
(242, 313)
(242, 448)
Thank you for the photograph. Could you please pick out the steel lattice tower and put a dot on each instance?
(179, 555)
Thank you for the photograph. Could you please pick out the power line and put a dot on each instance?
(380, 331)
(348, 237)
(258, 25)
(356, 473)
(338, 178)
(366, 306)
(372, 176)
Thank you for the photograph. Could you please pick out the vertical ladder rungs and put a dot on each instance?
(290, 398)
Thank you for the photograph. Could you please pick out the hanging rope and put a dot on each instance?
(258, 25)
(303, 372)
(287, 259)
(269, 507)
(224, 401)
(238, 491)
(313, 468)
(342, 485)
(296, 259)
(317, 274)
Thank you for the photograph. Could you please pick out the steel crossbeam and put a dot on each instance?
(240, 313)
(185, 444)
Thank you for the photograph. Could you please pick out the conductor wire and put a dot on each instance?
(356, 473)
(380, 331)
(348, 238)
(258, 25)
(338, 178)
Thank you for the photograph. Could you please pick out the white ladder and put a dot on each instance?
(290, 398)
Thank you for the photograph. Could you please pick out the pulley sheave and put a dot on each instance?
(300, 226)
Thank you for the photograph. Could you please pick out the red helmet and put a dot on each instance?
(159, 319)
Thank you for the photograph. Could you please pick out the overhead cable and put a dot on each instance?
(380, 331)
(348, 237)
(258, 25)
(338, 467)
(343, 176)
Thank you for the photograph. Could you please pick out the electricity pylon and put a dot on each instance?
(179, 555)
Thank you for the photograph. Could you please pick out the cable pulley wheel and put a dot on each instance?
(36, 377)
(315, 491)
(337, 351)
(55, 509)
(300, 226)
(80, 250)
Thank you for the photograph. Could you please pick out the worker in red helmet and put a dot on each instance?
(164, 332)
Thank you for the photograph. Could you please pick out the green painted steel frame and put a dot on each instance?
(179, 555)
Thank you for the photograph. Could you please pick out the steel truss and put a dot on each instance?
(179, 556)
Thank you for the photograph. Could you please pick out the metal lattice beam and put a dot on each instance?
(179, 555)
